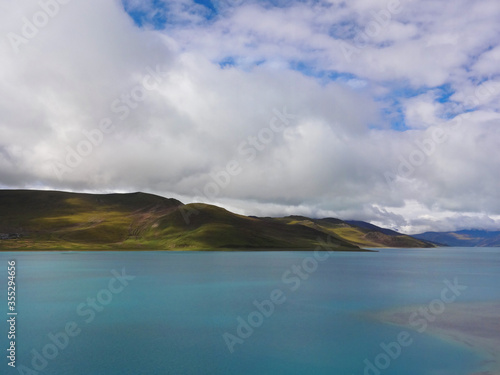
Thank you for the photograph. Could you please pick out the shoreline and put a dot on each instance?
(474, 326)
(220, 249)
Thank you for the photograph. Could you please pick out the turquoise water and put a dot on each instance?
(171, 318)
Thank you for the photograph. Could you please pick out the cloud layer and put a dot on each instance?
(385, 111)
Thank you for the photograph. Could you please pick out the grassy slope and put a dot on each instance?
(57, 220)
(49, 219)
(364, 237)
(214, 227)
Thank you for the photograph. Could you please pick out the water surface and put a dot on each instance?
(171, 318)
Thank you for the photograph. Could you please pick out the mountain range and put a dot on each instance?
(46, 220)
(463, 238)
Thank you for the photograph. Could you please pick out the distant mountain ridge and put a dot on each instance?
(45, 220)
(463, 238)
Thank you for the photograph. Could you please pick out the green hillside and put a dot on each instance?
(46, 220)
(58, 220)
(49, 219)
(363, 235)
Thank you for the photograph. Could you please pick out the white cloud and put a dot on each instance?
(332, 159)
(422, 111)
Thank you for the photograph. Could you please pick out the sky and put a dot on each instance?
(379, 110)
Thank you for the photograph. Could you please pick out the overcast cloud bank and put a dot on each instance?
(393, 105)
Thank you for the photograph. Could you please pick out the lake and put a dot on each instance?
(245, 313)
